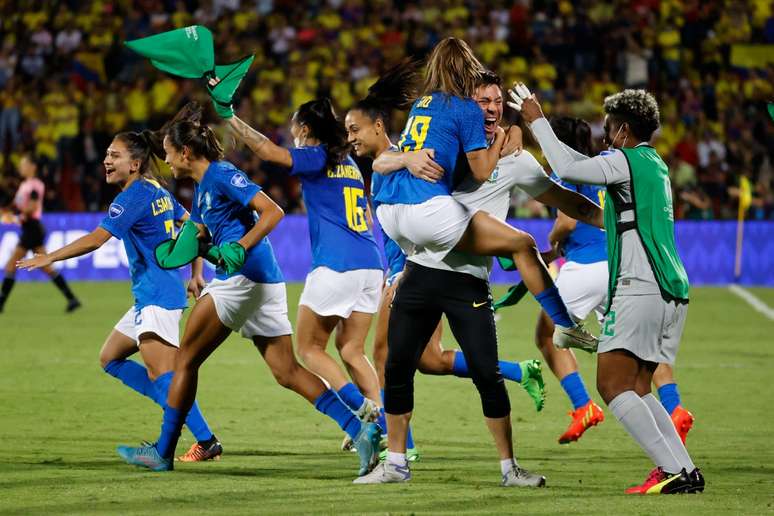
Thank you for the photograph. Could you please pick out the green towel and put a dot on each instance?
(187, 52)
(513, 296)
(230, 76)
(507, 264)
(174, 253)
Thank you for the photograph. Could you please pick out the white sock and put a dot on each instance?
(667, 428)
(398, 459)
(506, 465)
(638, 420)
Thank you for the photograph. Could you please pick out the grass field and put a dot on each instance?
(61, 418)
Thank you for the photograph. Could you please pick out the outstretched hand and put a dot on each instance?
(525, 102)
(38, 261)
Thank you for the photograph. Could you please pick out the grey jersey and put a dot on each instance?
(636, 276)
(493, 196)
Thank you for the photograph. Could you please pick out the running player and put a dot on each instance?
(142, 215)
(648, 287)
(342, 290)
(29, 202)
(422, 215)
(366, 125)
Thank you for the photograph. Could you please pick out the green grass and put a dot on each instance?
(61, 418)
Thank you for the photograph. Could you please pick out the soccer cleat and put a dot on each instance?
(412, 454)
(532, 381)
(368, 411)
(697, 481)
(72, 305)
(661, 482)
(385, 473)
(683, 421)
(198, 453)
(146, 457)
(584, 418)
(575, 337)
(520, 477)
(348, 444)
(367, 446)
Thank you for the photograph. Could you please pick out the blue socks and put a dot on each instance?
(553, 305)
(134, 376)
(171, 426)
(510, 370)
(330, 405)
(382, 422)
(195, 420)
(352, 396)
(670, 397)
(576, 391)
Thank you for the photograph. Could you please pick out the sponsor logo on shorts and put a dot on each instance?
(239, 181)
(478, 305)
(115, 210)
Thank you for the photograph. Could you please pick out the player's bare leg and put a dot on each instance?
(351, 334)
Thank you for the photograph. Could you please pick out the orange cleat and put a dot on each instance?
(587, 416)
(198, 453)
(683, 421)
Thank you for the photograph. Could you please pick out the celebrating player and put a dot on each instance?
(342, 291)
(248, 294)
(648, 288)
(29, 202)
(142, 215)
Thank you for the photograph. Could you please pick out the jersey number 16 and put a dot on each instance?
(356, 219)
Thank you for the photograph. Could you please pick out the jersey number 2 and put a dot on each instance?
(356, 219)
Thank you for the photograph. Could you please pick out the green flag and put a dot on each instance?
(187, 52)
(230, 76)
(513, 296)
(507, 264)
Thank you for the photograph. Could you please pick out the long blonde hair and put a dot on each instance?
(453, 69)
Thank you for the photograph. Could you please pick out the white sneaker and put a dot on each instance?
(368, 411)
(519, 477)
(575, 337)
(385, 473)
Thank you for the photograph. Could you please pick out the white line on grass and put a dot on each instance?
(753, 301)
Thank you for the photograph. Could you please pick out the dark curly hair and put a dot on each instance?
(637, 108)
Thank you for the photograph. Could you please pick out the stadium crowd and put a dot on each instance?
(67, 84)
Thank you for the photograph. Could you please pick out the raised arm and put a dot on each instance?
(84, 245)
(260, 144)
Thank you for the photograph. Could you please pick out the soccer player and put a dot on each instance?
(29, 202)
(342, 290)
(366, 124)
(142, 215)
(247, 295)
(648, 287)
(422, 215)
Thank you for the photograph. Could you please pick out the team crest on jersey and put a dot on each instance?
(493, 177)
(115, 210)
(239, 181)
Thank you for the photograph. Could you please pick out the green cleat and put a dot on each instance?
(532, 381)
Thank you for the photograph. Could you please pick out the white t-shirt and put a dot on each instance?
(493, 196)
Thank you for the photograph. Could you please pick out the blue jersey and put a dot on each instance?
(586, 243)
(396, 258)
(336, 206)
(451, 126)
(143, 216)
(221, 202)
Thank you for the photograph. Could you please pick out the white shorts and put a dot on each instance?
(151, 319)
(645, 325)
(433, 227)
(327, 292)
(253, 309)
(583, 287)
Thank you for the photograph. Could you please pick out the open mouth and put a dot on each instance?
(109, 171)
(490, 123)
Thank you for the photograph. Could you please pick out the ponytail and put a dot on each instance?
(325, 126)
(186, 129)
(395, 89)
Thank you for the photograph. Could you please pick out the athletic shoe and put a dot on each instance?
(368, 412)
(146, 457)
(72, 305)
(367, 445)
(348, 444)
(520, 477)
(198, 453)
(532, 381)
(583, 418)
(661, 482)
(575, 337)
(385, 473)
(412, 454)
(697, 481)
(683, 421)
